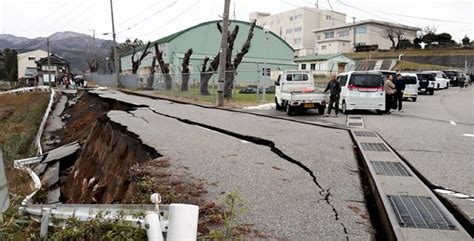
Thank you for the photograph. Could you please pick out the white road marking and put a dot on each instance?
(468, 135)
(452, 122)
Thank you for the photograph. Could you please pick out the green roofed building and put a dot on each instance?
(205, 39)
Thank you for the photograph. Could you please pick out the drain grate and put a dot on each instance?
(419, 212)
(355, 124)
(365, 133)
(368, 146)
(390, 168)
(355, 117)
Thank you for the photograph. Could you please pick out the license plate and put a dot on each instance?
(309, 105)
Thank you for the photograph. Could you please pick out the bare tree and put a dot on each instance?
(185, 71)
(399, 32)
(207, 73)
(136, 63)
(165, 68)
(229, 81)
(390, 34)
(93, 65)
(205, 76)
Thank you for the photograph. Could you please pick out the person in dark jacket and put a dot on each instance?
(399, 88)
(334, 88)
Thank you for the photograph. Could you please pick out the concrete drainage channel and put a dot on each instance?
(408, 209)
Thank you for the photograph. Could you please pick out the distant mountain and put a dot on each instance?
(74, 47)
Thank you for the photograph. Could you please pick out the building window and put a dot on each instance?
(318, 37)
(303, 66)
(343, 33)
(299, 16)
(297, 41)
(288, 31)
(361, 30)
(266, 71)
(31, 58)
(360, 44)
(313, 66)
(329, 34)
(323, 47)
(291, 18)
(328, 17)
(298, 29)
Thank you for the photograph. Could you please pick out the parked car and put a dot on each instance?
(454, 76)
(466, 79)
(294, 91)
(362, 90)
(426, 83)
(441, 80)
(249, 89)
(411, 89)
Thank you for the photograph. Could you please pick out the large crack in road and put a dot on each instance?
(323, 192)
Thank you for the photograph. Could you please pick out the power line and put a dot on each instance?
(408, 16)
(148, 17)
(173, 19)
(145, 10)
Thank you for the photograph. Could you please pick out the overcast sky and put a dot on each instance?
(152, 19)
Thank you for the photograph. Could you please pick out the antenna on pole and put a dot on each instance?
(234, 12)
(329, 2)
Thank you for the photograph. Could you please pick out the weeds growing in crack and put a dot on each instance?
(234, 206)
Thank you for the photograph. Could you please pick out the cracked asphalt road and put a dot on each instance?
(281, 196)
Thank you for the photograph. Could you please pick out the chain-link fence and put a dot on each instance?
(247, 87)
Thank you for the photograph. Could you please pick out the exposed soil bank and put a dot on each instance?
(102, 172)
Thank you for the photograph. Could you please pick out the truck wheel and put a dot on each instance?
(289, 109)
(438, 87)
(277, 106)
(321, 109)
(414, 99)
(344, 108)
(431, 92)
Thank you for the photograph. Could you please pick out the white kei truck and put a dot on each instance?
(295, 92)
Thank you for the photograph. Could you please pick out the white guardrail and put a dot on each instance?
(43, 123)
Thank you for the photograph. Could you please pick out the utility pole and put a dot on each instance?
(49, 63)
(354, 31)
(115, 45)
(223, 55)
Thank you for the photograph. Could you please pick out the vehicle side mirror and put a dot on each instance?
(277, 83)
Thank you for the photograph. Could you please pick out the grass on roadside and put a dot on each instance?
(20, 117)
(239, 99)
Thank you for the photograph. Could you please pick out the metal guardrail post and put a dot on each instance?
(153, 227)
(45, 215)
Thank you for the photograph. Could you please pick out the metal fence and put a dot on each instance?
(248, 88)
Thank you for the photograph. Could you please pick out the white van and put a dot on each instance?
(411, 86)
(362, 90)
(442, 81)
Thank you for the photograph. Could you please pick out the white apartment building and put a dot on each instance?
(296, 26)
(340, 39)
(26, 62)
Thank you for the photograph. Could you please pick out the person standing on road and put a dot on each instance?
(334, 88)
(399, 88)
(389, 92)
